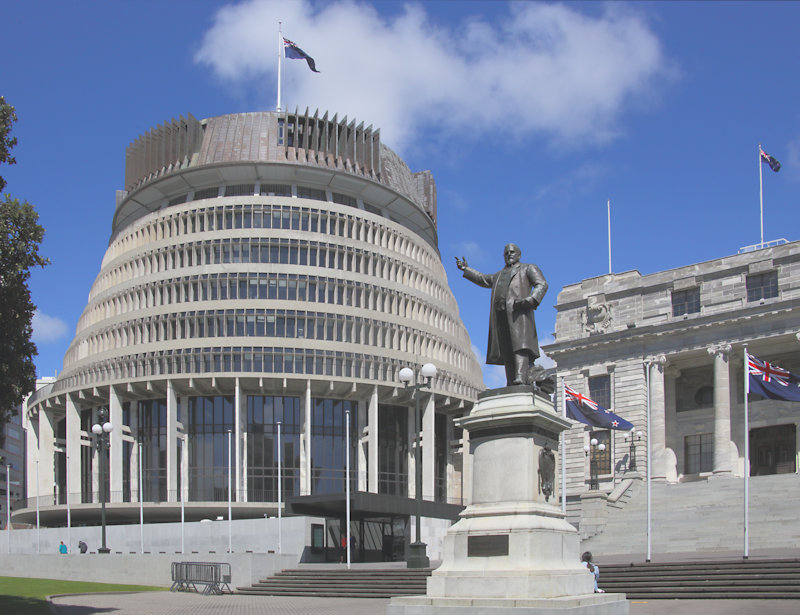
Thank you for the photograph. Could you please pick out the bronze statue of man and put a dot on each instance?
(517, 290)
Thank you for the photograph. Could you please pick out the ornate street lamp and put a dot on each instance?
(418, 557)
(594, 483)
(102, 429)
(634, 438)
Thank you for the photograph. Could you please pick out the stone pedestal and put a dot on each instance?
(512, 551)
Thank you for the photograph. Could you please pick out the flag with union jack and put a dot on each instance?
(581, 408)
(291, 50)
(770, 160)
(769, 380)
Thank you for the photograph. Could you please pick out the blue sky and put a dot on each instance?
(530, 116)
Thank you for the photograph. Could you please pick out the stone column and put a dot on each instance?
(673, 441)
(372, 440)
(657, 427)
(172, 443)
(115, 443)
(722, 409)
(428, 448)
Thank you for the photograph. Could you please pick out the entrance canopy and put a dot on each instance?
(364, 505)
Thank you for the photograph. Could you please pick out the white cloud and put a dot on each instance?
(538, 69)
(47, 328)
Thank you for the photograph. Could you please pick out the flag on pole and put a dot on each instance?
(582, 409)
(294, 52)
(770, 160)
(771, 381)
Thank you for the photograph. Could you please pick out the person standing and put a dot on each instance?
(517, 290)
(62, 548)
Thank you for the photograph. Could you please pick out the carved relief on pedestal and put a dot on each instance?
(596, 317)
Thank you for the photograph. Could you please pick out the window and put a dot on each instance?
(698, 453)
(206, 193)
(686, 301)
(601, 458)
(762, 286)
(276, 190)
(311, 193)
(600, 390)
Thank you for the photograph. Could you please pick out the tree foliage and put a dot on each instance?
(20, 237)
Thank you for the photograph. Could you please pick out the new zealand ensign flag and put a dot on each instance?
(294, 52)
(581, 408)
(769, 380)
(770, 160)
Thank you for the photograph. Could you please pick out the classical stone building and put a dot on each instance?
(265, 271)
(683, 331)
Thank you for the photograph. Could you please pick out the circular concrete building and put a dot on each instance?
(267, 273)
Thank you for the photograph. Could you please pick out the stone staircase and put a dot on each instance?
(750, 579)
(362, 582)
(703, 516)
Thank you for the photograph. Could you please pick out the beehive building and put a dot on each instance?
(265, 271)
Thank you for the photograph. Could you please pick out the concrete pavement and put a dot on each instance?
(168, 603)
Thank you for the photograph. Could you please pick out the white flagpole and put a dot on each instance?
(69, 515)
(746, 458)
(761, 193)
(230, 521)
(280, 495)
(609, 235)
(280, 64)
(649, 463)
(563, 451)
(347, 479)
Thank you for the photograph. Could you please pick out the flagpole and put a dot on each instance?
(761, 193)
(609, 235)
(649, 461)
(746, 457)
(280, 63)
(563, 451)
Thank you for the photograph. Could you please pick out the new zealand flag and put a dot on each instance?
(770, 160)
(294, 52)
(584, 410)
(769, 380)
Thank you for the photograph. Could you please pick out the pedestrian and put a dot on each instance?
(82, 547)
(62, 548)
(586, 560)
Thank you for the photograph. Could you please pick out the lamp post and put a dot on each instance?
(418, 557)
(594, 483)
(102, 429)
(634, 438)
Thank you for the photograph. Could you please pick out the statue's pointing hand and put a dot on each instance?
(461, 263)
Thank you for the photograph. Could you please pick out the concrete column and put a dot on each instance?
(411, 446)
(305, 443)
(722, 409)
(658, 433)
(172, 442)
(363, 444)
(183, 467)
(428, 449)
(373, 428)
(115, 445)
(32, 444)
(47, 476)
(453, 489)
(135, 478)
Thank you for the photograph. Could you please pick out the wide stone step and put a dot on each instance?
(361, 583)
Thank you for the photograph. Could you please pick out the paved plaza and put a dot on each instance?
(167, 603)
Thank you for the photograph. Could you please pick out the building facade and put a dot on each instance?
(682, 333)
(267, 276)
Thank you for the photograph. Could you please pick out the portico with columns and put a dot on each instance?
(675, 340)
